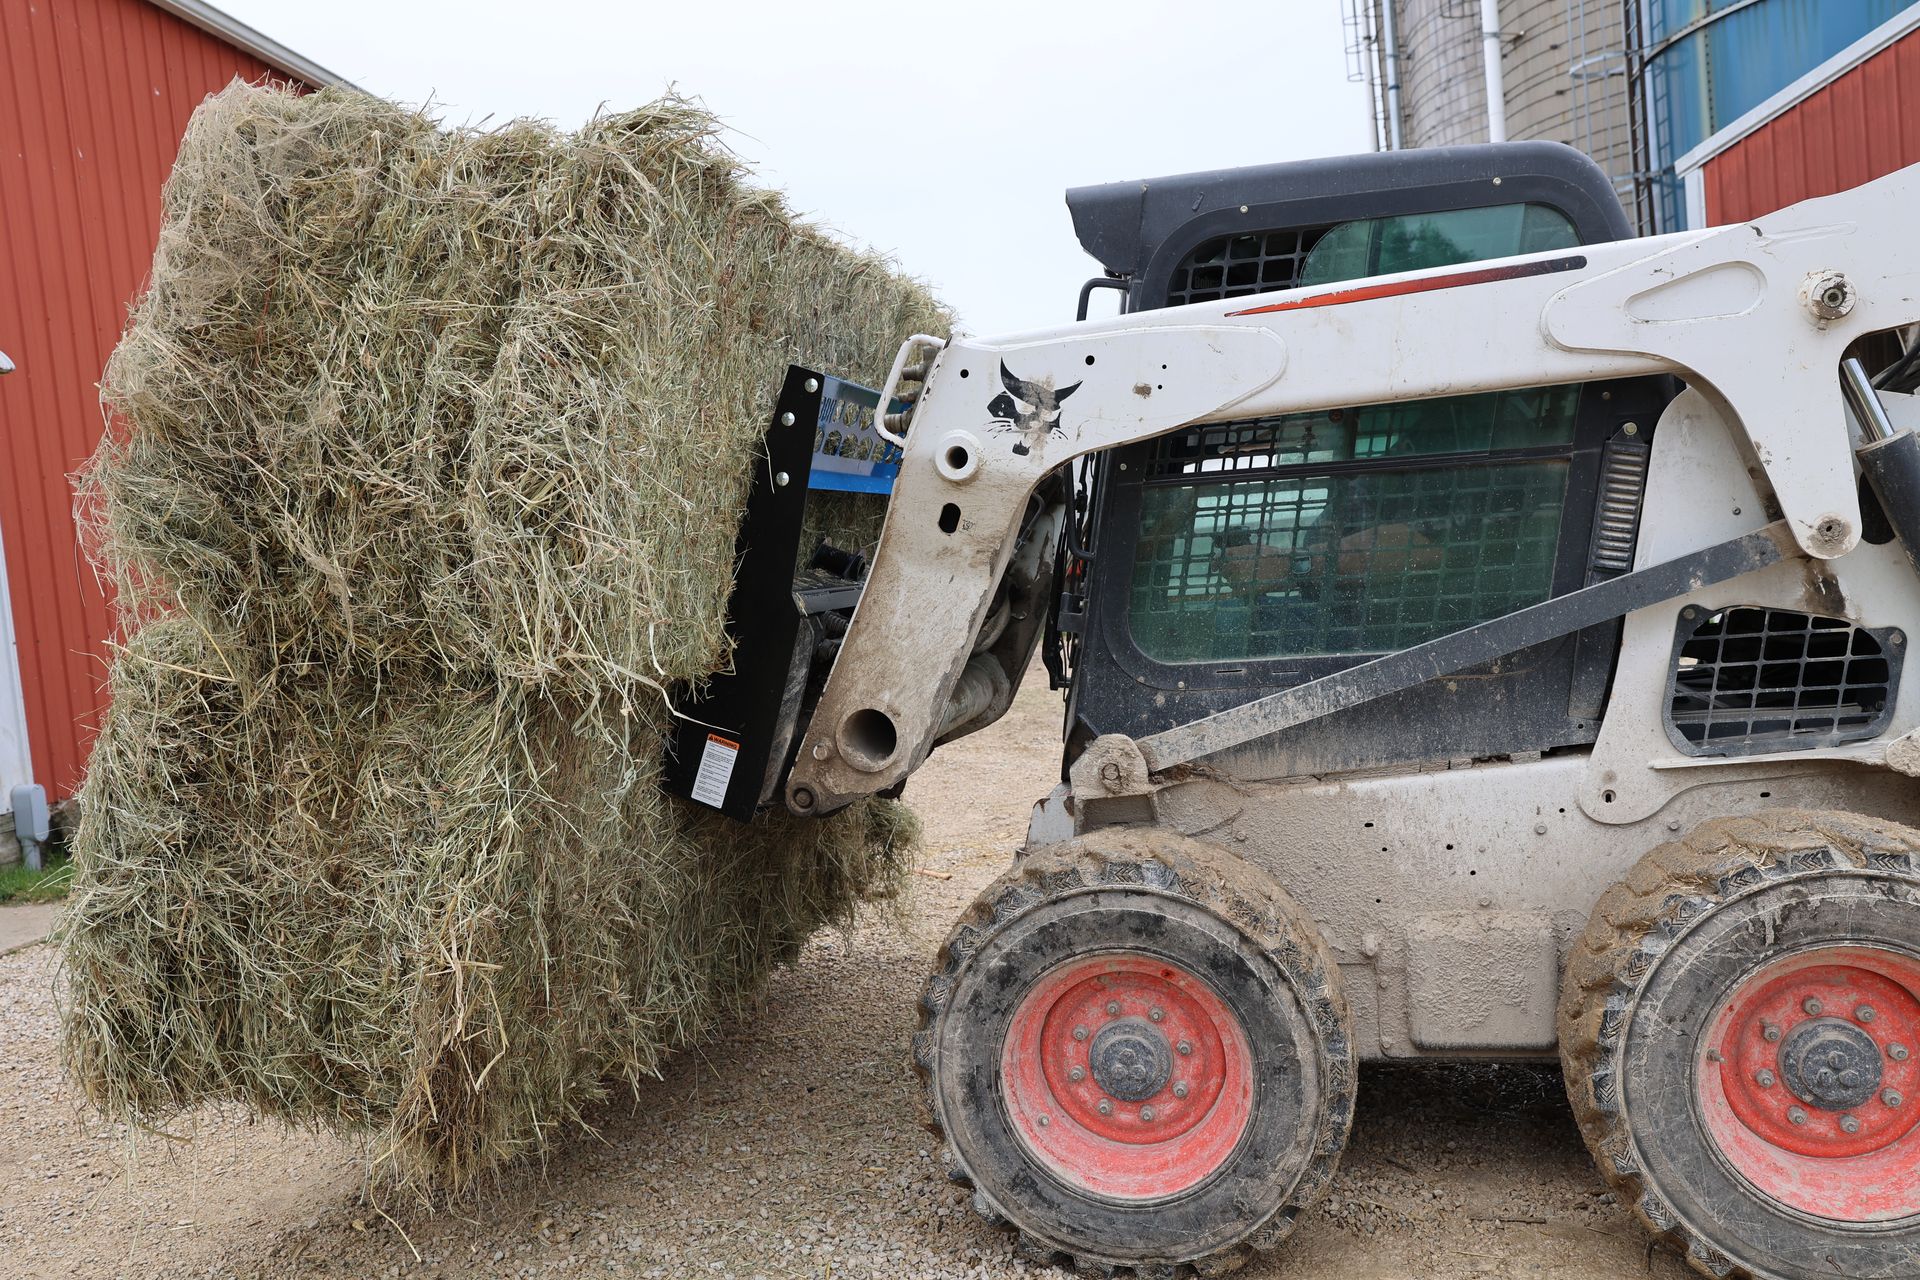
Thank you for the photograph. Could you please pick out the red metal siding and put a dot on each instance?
(1863, 125)
(94, 95)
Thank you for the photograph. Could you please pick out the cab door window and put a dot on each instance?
(1350, 532)
(1364, 530)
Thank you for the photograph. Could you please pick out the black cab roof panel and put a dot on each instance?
(1141, 229)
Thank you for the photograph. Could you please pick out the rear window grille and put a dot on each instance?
(1237, 266)
(1750, 680)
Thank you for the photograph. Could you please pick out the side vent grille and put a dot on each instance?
(1750, 680)
(1616, 521)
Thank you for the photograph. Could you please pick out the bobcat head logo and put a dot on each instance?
(1030, 408)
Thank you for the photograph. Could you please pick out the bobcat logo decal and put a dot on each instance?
(1030, 408)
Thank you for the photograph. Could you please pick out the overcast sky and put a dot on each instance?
(942, 134)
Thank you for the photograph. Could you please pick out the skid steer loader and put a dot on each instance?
(1483, 638)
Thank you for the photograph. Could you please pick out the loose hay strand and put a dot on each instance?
(427, 444)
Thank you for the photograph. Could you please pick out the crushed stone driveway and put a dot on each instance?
(790, 1148)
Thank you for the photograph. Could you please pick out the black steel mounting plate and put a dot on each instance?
(719, 753)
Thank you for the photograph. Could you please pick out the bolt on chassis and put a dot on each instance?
(1483, 638)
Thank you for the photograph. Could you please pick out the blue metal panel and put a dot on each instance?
(848, 454)
(1712, 61)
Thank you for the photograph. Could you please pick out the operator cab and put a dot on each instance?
(1217, 564)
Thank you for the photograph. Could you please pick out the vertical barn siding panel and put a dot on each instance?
(105, 145)
(72, 288)
(1882, 94)
(1790, 159)
(90, 102)
(1862, 126)
(1717, 180)
(98, 94)
(35, 342)
(1907, 57)
(1712, 179)
(125, 66)
(178, 85)
(1727, 185)
(1850, 144)
(1762, 171)
(145, 45)
(1819, 142)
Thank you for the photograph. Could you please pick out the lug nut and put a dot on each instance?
(1891, 1097)
(1157, 1014)
(1812, 1005)
(1079, 1033)
(1105, 1107)
(1864, 1013)
(1180, 1091)
(1769, 1032)
(1897, 1051)
(1077, 1074)
(1043, 1121)
(1796, 1116)
(1146, 1113)
(1113, 1008)
(1185, 1047)
(1762, 1077)
(1850, 1124)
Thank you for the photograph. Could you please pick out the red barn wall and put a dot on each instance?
(96, 95)
(1863, 125)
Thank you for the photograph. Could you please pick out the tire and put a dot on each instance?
(1200, 1009)
(1740, 1033)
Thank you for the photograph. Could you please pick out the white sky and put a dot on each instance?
(942, 134)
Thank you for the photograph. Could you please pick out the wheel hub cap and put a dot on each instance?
(1131, 1060)
(1831, 1064)
(1126, 1075)
(1809, 1082)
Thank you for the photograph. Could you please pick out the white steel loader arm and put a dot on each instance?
(1756, 315)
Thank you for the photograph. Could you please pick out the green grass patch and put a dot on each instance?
(49, 884)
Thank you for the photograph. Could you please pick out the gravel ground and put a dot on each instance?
(791, 1148)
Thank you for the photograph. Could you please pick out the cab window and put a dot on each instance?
(1367, 530)
(1417, 241)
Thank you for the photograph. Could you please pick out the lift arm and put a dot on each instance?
(1756, 316)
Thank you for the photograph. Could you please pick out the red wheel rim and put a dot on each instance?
(1809, 1083)
(1127, 1076)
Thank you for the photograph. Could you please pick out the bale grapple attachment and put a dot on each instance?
(815, 503)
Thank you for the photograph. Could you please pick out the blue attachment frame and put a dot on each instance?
(848, 454)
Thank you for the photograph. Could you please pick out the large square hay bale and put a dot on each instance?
(428, 453)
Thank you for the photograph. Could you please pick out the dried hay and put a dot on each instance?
(430, 449)
(480, 399)
(437, 915)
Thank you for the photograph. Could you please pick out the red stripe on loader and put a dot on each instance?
(1425, 284)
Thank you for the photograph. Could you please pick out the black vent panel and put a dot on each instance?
(1238, 266)
(1616, 520)
(1750, 680)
